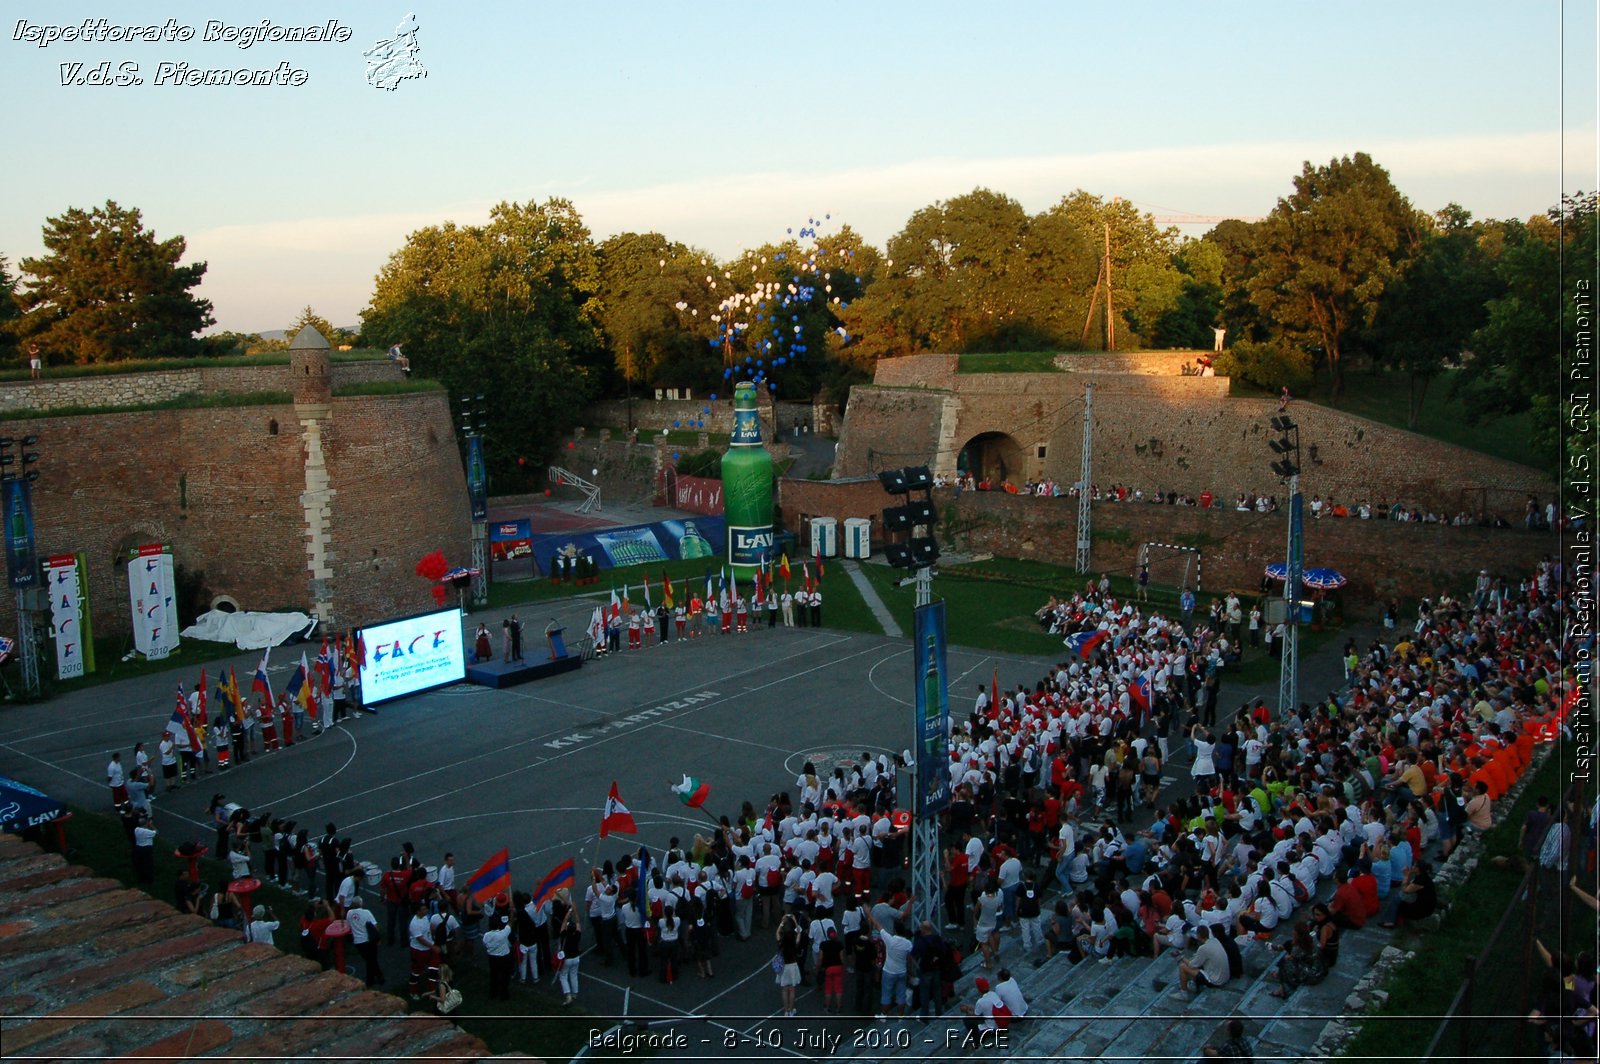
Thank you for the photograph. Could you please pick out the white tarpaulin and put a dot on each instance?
(249, 631)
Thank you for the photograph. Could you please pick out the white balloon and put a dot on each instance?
(594, 472)
(663, 262)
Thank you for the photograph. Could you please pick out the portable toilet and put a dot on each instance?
(825, 536)
(857, 537)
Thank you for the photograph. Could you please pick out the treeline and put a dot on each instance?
(529, 311)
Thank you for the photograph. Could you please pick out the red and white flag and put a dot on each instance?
(616, 820)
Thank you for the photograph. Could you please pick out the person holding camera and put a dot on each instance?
(144, 848)
(364, 936)
(262, 926)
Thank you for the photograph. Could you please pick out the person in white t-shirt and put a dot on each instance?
(364, 936)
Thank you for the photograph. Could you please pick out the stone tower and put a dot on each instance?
(309, 363)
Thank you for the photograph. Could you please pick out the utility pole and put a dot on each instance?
(1084, 472)
(1287, 445)
(1111, 317)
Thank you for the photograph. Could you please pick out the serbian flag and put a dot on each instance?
(615, 819)
(691, 792)
(783, 565)
(562, 875)
(261, 685)
(180, 723)
(492, 878)
(1083, 643)
(666, 590)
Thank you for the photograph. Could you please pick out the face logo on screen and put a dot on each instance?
(412, 654)
(411, 647)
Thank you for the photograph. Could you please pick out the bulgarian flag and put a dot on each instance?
(691, 792)
(615, 818)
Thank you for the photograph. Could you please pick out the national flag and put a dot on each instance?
(805, 568)
(755, 595)
(300, 686)
(597, 627)
(492, 878)
(783, 565)
(235, 702)
(994, 692)
(708, 586)
(360, 641)
(180, 723)
(691, 792)
(642, 887)
(1139, 694)
(261, 685)
(616, 605)
(615, 818)
(666, 590)
(647, 591)
(819, 563)
(562, 875)
(1083, 643)
(627, 607)
(325, 666)
(200, 699)
(224, 700)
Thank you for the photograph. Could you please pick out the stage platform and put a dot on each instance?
(496, 673)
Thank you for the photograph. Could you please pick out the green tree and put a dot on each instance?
(1188, 321)
(505, 310)
(1429, 312)
(642, 279)
(108, 290)
(1516, 354)
(1145, 284)
(10, 312)
(335, 336)
(1327, 252)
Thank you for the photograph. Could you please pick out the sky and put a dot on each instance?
(722, 124)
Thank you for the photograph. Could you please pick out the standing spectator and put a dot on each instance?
(144, 849)
(424, 958)
(35, 362)
(116, 780)
(364, 936)
(790, 946)
(497, 944)
(571, 937)
(262, 926)
(894, 995)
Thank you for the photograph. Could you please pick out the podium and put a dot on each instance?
(558, 645)
(508, 674)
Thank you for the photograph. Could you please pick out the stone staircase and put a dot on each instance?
(1130, 1008)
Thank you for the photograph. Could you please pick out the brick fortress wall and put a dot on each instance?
(1381, 559)
(226, 491)
(1159, 431)
(130, 389)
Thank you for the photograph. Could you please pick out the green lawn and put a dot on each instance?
(1010, 362)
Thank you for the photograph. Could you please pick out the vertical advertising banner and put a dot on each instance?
(67, 581)
(154, 597)
(933, 711)
(477, 479)
(22, 566)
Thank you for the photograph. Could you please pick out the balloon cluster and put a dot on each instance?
(763, 322)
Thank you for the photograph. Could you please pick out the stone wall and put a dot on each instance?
(136, 389)
(224, 487)
(1162, 432)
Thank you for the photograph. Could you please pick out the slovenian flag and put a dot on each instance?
(691, 792)
(1083, 643)
(492, 878)
(615, 818)
(562, 875)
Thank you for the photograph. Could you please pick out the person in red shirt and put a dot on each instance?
(1366, 885)
(1347, 906)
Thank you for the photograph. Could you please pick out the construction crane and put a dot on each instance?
(1198, 219)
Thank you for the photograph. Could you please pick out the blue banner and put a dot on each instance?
(477, 479)
(933, 711)
(510, 531)
(634, 544)
(22, 564)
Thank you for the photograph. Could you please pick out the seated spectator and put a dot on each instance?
(1207, 967)
(1235, 1049)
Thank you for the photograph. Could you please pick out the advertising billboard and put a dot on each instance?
(932, 709)
(412, 654)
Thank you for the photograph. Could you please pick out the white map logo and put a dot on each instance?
(394, 60)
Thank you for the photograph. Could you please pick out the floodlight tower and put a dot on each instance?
(1287, 447)
(919, 553)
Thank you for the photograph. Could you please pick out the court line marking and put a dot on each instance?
(728, 739)
(558, 733)
(347, 763)
(872, 678)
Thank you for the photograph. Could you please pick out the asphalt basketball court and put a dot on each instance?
(472, 770)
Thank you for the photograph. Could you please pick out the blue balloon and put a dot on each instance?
(725, 373)
(714, 394)
(675, 458)
(705, 410)
(676, 425)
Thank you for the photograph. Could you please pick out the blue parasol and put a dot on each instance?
(22, 807)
